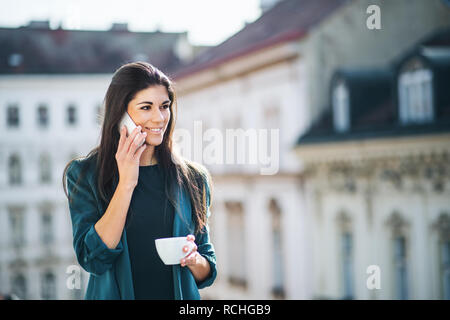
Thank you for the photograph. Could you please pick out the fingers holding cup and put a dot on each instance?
(191, 258)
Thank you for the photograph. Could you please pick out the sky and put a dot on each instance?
(208, 22)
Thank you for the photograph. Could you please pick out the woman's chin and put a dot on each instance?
(153, 142)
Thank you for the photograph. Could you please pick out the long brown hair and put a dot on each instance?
(127, 81)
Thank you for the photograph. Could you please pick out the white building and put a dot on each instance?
(46, 121)
(50, 113)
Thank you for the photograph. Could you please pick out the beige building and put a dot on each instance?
(275, 74)
(377, 179)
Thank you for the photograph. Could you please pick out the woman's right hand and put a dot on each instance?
(127, 156)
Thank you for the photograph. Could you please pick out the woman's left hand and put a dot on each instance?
(194, 258)
(196, 263)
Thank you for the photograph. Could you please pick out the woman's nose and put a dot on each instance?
(157, 116)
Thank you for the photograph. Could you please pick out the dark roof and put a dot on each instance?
(374, 98)
(37, 49)
(432, 48)
(369, 90)
(287, 20)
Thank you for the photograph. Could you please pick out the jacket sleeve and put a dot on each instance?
(92, 253)
(205, 247)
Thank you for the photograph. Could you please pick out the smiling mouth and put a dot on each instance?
(155, 130)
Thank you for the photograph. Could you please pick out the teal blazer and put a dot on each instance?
(110, 269)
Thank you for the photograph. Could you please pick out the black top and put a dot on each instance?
(150, 217)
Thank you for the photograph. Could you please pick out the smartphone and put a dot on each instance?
(129, 124)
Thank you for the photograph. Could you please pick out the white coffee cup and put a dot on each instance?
(170, 250)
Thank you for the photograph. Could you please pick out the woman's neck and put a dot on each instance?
(147, 157)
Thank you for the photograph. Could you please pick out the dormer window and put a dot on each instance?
(341, 109)
(416, 96)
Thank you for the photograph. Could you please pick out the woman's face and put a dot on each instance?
(150, 110)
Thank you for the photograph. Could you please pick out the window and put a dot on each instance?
(15, 59)
(48, 287)
(99, 113)
(17, 226)
(347, 264)
(43, 117)
(12, 116)
(15, 170)
(345, 241)
(277, 250)
(71, 115)
(416, 97)
(442, 226)
(45, 170)
(46, 227)
(341, 108)
(236, 246)
(19, 286)
(400, 266)
(445, 269)
(399, 228)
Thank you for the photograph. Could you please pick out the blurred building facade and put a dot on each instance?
(52, 85)
(377, 171)
(307, 231)
(377, 177)
(277, 72)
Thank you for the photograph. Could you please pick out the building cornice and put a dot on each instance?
(240, 66)
(323, 153)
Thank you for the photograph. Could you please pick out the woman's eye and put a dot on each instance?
(148, 107)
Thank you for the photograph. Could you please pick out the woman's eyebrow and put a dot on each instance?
(149, 102)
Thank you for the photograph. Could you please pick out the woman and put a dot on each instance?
(126, 194)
